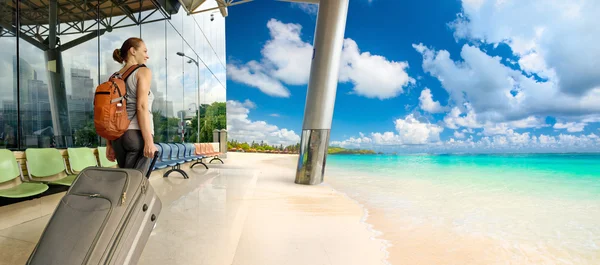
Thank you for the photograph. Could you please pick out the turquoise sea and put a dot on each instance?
(525, 208)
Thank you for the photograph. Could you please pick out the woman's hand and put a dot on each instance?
(110, 153)
(149, 150)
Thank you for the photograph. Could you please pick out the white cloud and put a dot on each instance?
(409, 131)
(488, 86)
(308, 8)
(511, 142)
(455, 118)
(570, 126)
(242, 129)
(353, 142)
(547, 140)
(251, 74)
(275, 115)
(558, 36)
(412, 131)
(497, 129)
(427, 103)
(249, 104)
(373, 76)
(529, 122)
(459, 135)
(287, 58)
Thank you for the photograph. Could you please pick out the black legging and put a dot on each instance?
(129, 151)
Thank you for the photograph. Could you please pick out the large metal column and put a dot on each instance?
(320, 100)
(56, 89)
(58, 98)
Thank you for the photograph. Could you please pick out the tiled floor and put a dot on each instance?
(200, 221)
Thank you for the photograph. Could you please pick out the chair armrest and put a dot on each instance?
(70, 166)
(66, 169)
(21, 172)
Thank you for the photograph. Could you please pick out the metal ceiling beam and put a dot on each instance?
(301, 1)
(26, 38)
(220, 3)
(195, 4)
(81, 39)
(126, 10)
(223, 7)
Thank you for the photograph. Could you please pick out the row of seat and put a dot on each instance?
(175, 154)
(48, 166)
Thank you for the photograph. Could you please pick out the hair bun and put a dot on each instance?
(117, 56)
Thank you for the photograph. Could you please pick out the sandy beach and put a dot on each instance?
(298, 224)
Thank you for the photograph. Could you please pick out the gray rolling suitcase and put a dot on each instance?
(105, 217)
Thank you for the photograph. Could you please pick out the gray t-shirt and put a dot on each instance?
(132, 100)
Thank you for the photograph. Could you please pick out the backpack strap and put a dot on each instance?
(130, 70)
(126, 75)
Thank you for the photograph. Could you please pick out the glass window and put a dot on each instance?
(174, 93)
(8, 77)
(214, 110)
(80, 66)
(50, 101)
(190, 95)
(108, 43)
(177, 20)
(154, 35)
(56, 83)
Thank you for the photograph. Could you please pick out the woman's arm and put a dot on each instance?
(144, 77)
(110, 152)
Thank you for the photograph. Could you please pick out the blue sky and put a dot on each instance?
(424, 76)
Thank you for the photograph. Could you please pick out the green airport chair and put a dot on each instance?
(48, 165)
(12, 184)
(81, 158)
(102, 156)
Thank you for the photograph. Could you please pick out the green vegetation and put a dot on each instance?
(339, 151)
(262, 147)
(235, 146)
(87, 135)
(211, 116)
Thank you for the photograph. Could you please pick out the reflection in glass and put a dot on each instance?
(81, 78)
(46, 95)
(8, 79)
(154, 35)
(34, 99)
(174, 85)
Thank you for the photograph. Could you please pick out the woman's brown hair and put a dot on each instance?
(120, 55)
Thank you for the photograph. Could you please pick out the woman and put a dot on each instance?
(135, 148)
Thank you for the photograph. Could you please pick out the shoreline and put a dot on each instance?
(428, 223)
(376, 234)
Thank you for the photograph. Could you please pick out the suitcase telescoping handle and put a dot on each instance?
(152, 164)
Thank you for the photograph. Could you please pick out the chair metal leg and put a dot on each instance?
(216, 158)
(185, 175)
(199, 162)
(166, 174)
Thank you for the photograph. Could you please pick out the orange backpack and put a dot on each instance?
(110, 106)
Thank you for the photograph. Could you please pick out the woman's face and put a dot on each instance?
(141, 54)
